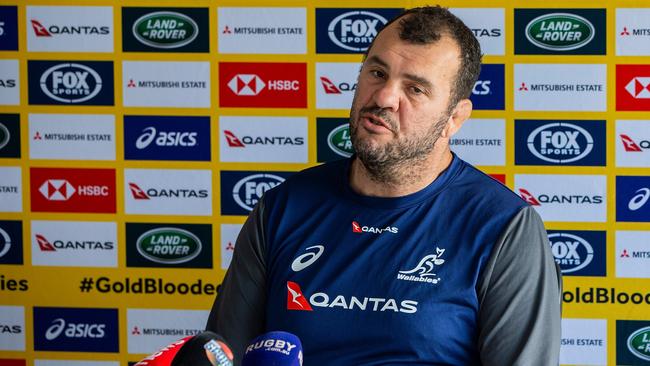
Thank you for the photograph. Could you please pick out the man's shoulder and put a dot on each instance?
(485, 190)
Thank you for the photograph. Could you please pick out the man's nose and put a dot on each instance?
(387, 96)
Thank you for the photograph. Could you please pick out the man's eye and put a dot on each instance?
(417, 90)
(377, 73)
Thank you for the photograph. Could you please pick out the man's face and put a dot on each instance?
(401, 103)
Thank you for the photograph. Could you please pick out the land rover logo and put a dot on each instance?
(168, 245)
(339, 141)
(71, 83)
(4, 135)
(560, 31)
(165, 29)
(639, 343)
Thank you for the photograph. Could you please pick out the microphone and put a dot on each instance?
(274, 349)
(203, 349)
(206, 348)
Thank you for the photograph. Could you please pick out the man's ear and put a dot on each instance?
(459, 115)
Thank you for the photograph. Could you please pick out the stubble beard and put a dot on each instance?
(399, 161)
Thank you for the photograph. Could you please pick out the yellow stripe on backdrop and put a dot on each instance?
(59, 286)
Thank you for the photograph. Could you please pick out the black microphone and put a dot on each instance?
(204, 349)
(274, 349)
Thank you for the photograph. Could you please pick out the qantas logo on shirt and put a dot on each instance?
(359, 229)
(423, 272)
(296, 300)
(632, 146)
(545, 198)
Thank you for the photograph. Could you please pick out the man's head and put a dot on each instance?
(413, 88)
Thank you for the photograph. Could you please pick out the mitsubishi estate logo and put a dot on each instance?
(423, 272)
(295, 299)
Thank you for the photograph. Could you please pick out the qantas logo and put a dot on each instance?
(246, 84)
(137, 192)
(296, 300)
(329, 86)
(57, 189)
(232, 140)
(570, 199)
(631, 146)
(639, 87)
(43, 244)
(526, 196)
(358, 228)
(39, 29)
(140, 194)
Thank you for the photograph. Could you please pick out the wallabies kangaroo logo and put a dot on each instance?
(427, 264)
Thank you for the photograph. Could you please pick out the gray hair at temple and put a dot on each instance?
(425, 25)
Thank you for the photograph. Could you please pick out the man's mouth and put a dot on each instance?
(376, 120)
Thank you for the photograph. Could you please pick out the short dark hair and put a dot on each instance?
(425, 25)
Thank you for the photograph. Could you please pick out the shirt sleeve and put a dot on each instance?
(519, 297)
(239, 310)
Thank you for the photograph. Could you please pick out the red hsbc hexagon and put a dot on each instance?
(263, 85)
(72, 190)
(633, 87)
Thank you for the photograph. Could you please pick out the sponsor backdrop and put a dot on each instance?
(136, 136)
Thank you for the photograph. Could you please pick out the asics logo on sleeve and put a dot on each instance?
(308, 258)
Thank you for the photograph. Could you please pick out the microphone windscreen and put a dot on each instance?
(204, 349)
(274, 349)
(165, 355)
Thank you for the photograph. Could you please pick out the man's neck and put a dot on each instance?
(409, 178)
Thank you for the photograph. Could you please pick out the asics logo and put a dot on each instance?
(308, 258)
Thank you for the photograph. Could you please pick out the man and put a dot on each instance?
(403, 254)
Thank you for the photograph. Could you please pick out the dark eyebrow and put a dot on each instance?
(418, 79)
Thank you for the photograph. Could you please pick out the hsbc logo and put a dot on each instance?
(72, 190)
(359, 229)
(263, 84)
(639, 87)
(296, 300)
(633, 87)
(246, 84)
(250, 84)
(62, 190)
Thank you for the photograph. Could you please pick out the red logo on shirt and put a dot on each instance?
(528, 197)
(633, 87)
(72, 190)
(295, 299)
(264, 85)
(356, 228)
